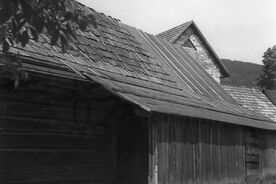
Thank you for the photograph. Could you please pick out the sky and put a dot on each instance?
(236, 29)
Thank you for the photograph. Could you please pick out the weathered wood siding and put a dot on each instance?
(252, 154)
(268, 156)
(49, 134)
(195, 151)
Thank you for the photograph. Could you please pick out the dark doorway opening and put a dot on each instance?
(132, 153)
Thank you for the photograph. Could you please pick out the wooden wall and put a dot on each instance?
(268, 156)
(54, 132)
(195, 151)
(62, 131)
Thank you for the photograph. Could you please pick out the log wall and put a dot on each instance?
(51, 132)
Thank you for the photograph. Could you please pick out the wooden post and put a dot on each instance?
(155, 166)
(153, 154)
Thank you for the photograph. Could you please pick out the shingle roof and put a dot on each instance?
(254, 99)
(173, 34)
(153, 74)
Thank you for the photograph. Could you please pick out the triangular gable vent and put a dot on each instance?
(188, 44)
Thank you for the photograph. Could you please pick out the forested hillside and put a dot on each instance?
(241, 73)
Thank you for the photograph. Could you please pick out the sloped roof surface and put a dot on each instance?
(254, 99)
(173, 34)
(191, 76)
(141, 69)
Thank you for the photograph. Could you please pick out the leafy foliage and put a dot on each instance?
(12, 69)
(267, 78)
(22, 20)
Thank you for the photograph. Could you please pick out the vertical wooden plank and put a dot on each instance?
(243, 151)
(201, 156)
(230, 159)
(190, 150)
(211, 153)
(223, 152)
(261, 153)
(150, 154)
(197, 141)
(235, 147)
(239, 154)
(175, 171)
(157, 141)
(172, 155)
(154, 150)
(209, 163)
(188, 156)
(185, 153)
(177, 128)
(203, 149)
(206, 154)
(157, 167)
(220, 169)
(160, 151)
(215, 152)
(166, 139)
(194, 146)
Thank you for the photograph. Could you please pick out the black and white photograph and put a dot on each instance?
(137, 92)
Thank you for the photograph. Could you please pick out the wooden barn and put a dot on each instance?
(123, 106)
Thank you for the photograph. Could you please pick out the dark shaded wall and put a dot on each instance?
(54, 131)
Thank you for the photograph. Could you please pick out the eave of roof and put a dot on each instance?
(181, 105)
(177, 31)
(140, 68)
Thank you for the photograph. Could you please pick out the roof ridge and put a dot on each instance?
(86, 6)
(172, 34)
(179, 26)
